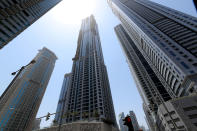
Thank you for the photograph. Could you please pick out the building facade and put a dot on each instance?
(88, 96)
(166, 38)
(20, 101)
(160, 45)
(61, 103)
(17, 15)
(134, 121)
(121, 122)
(162, 112)
(148, 117)
(179, 114)
(152, 91)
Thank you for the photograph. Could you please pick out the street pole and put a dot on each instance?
(13, 73)
(12, 82)
(60, 123)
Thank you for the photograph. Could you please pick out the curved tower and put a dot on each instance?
(21, 100)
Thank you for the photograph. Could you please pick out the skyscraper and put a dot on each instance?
(134, 120)
(161, 113)
(166, 38)
(17, 15)
(88, 95)
(152, 91)
(121, 122)
(20, 102)
(160, 46)
(61, 103)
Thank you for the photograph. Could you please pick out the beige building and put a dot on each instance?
(179, 114)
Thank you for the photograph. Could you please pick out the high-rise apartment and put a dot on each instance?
(162, 112)
(152, 91)
(88, 95)
(17, 15)
(167, 40)
(21, 100)
(121, 122)
(161, 49)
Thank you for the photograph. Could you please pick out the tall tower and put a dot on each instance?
(121, 122)
(160, 46)
(88, 96)
(152, 91)
(134, 121)
(61, 103)
(17, 15)
(167, 40)
(20, 102)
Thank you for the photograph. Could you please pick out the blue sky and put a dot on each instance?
(58, 31)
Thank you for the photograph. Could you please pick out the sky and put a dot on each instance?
(58, 31)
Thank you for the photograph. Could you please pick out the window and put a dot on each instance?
(172, 53)
(195, 64)
(184, 65)
(181, 52)
(177, 58)
(195, 124)
(190, 108)
(191, 71)
(25, 12)
(190, 60)
(14, 1)
(193, 116)
(185, 56)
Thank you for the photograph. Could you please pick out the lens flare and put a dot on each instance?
(73, 11)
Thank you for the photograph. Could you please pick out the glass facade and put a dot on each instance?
(167, 40)
(17, 15)
(160, 47)
(61, 103)
(20, 102)
(134, 121)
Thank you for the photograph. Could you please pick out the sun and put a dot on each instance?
(73, 11)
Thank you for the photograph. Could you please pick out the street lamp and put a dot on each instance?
(14, 73)
(23, 67)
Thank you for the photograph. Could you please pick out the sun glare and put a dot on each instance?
(73, 11)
